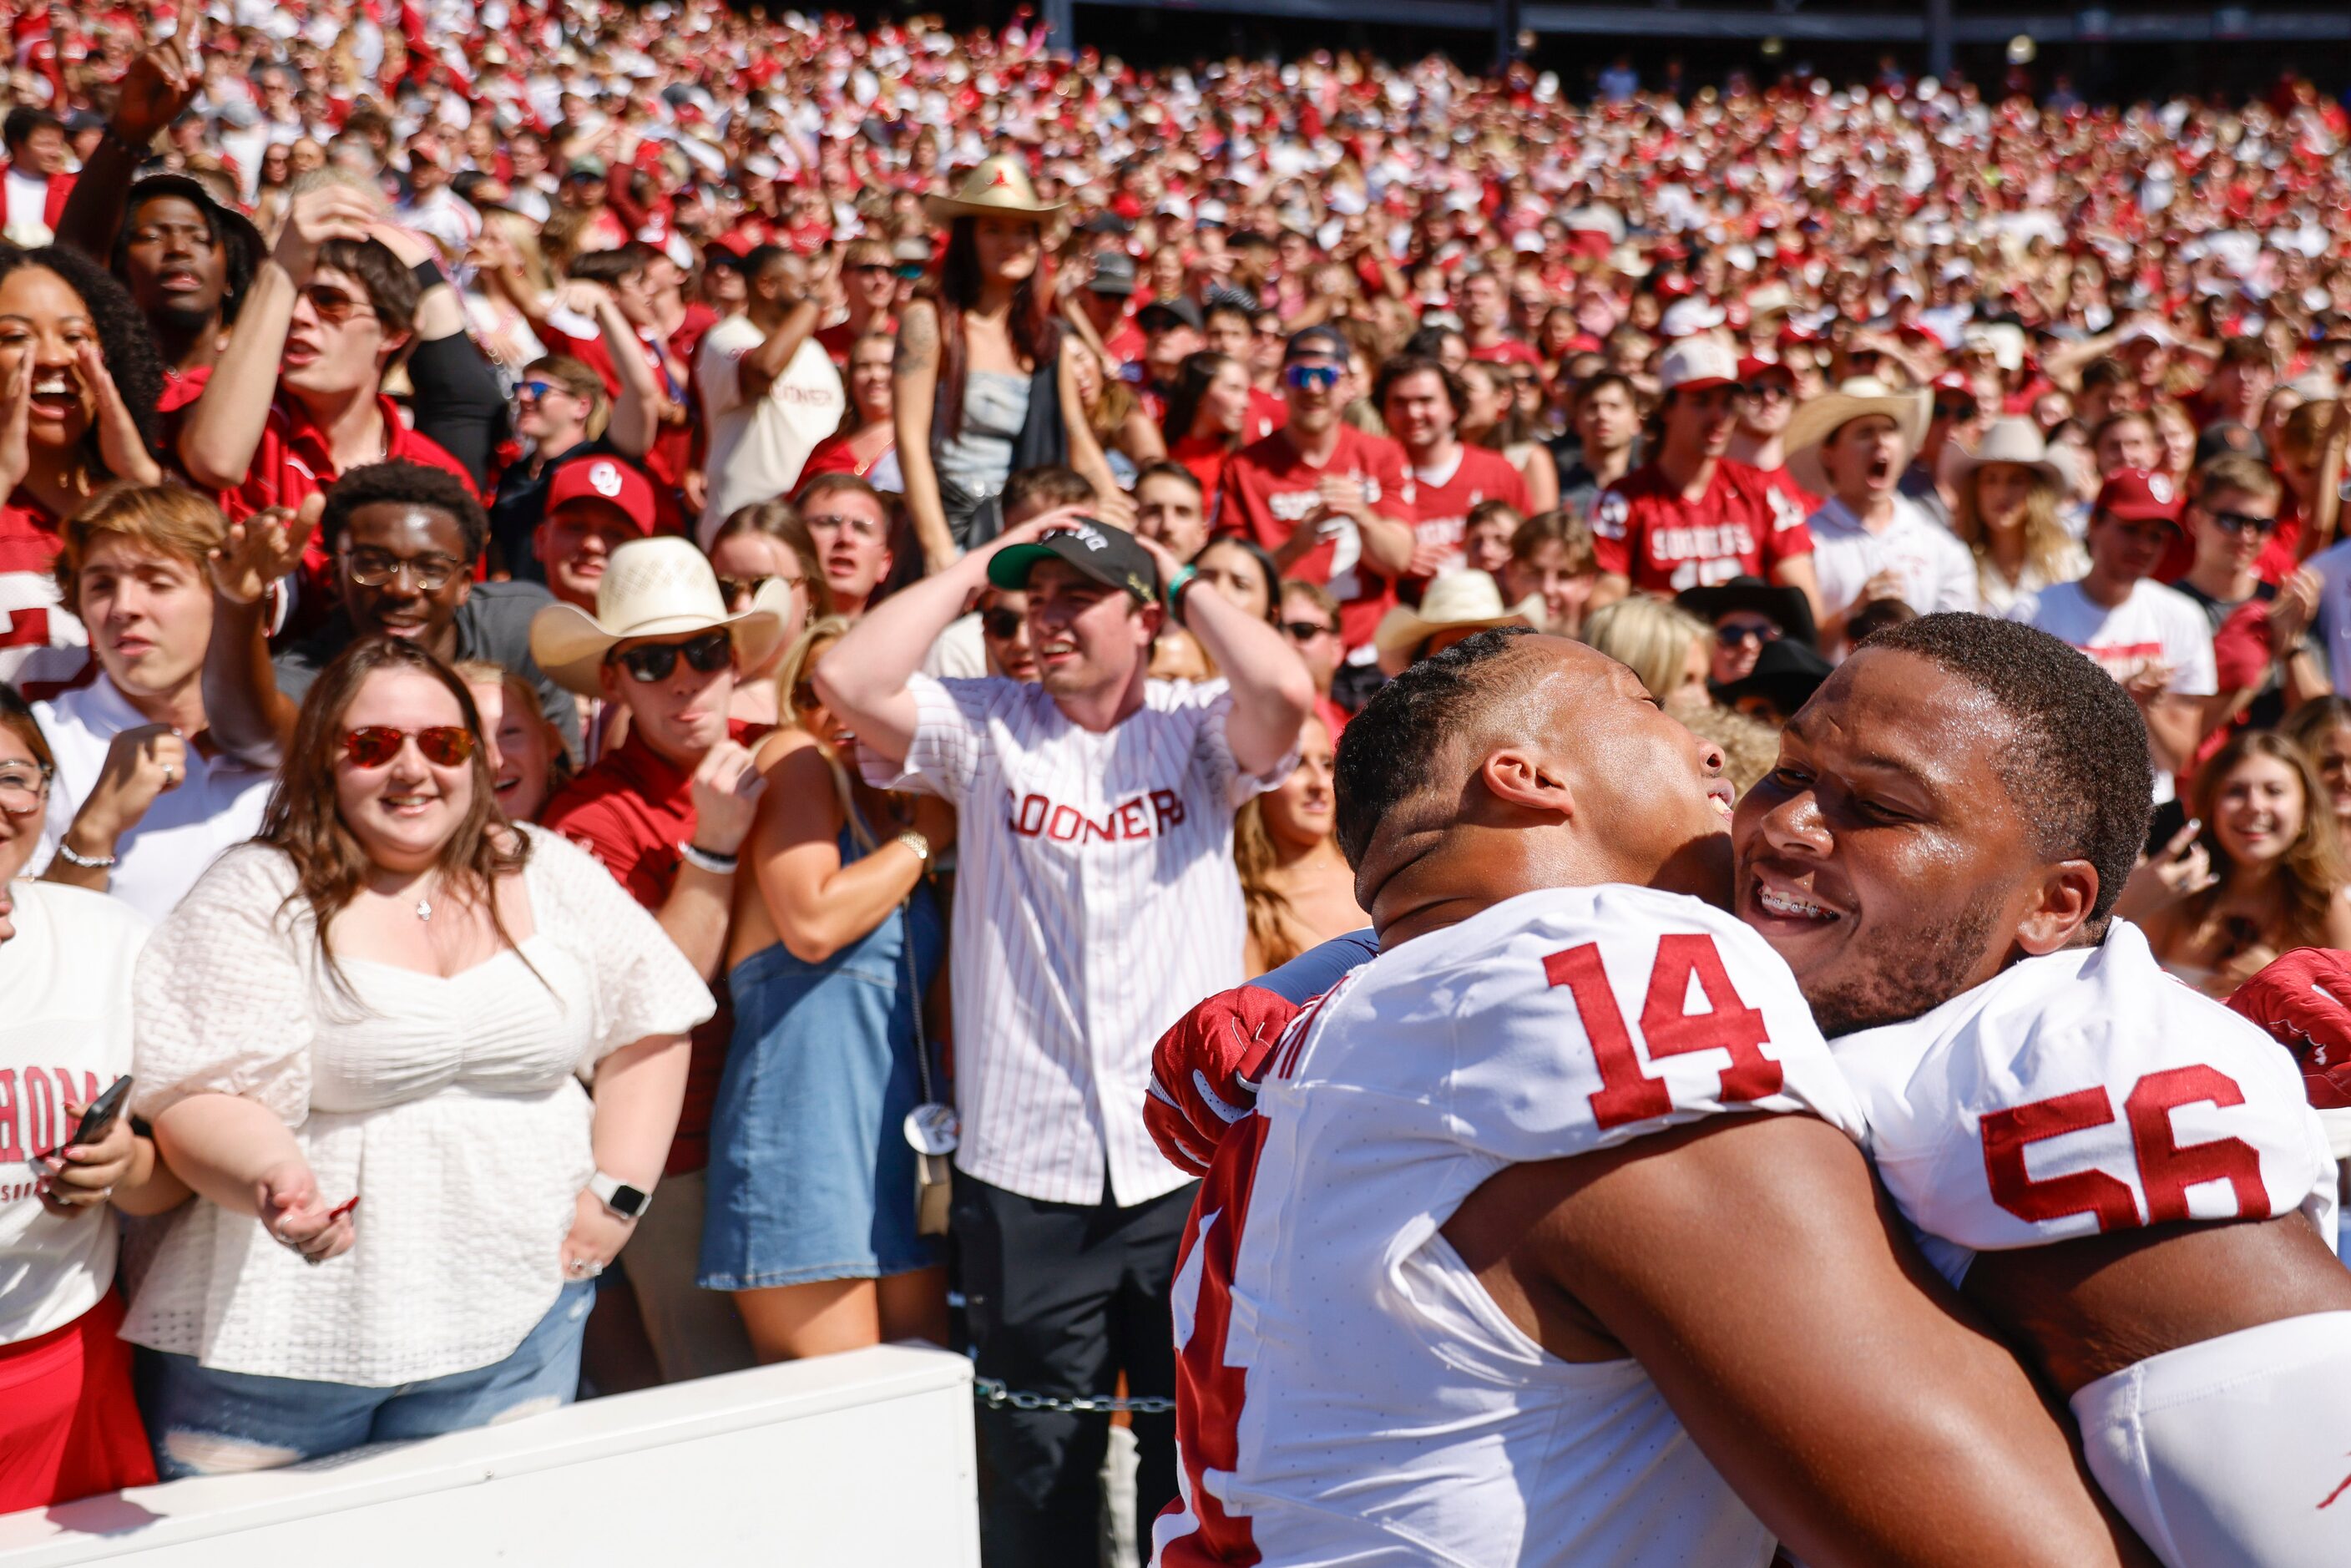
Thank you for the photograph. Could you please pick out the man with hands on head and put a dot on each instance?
(1096, 901)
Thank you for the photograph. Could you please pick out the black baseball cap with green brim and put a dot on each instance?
(1110, 556)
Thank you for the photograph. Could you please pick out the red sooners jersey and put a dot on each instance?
(1644, 529)
(2082, 1091)
(1440, 508)
(1268, 489)
(1346, 1391)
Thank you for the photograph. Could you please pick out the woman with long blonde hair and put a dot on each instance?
(2005, 498)
(1296, 887)
(1666, 646)
(837, 936)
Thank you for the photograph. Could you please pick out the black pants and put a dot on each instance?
(1061, 1298)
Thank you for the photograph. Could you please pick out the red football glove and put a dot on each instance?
(1205, 1071)
(2304, 1000)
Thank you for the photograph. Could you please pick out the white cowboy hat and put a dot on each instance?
(1454, 600)
(998, 187)
(2012, 440)
(661, 586)
(1819, 418)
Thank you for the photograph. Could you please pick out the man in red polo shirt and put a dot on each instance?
(667, 812)
(296, 398)
(1422, 403)
(1327, 501)
(1689, 518)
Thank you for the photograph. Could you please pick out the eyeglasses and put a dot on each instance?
(1317, 377)
(333, 304)
(873, 267)
(1769, 391)
(375, 745)
(431, 573)
(1954, 409)
(2243, 523)
(733, 588)
(1000, 624)
(1739, 633)
(1307, 630)
(709, 653)
(22, 784)
(863, 528)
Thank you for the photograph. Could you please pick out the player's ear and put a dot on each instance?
(1526, 779)
(2058, 907)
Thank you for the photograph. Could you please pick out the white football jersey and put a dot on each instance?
(2081, 1092)
(1347, 1391)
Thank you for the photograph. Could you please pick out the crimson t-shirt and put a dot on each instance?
(1269, 488)
(1644, 530)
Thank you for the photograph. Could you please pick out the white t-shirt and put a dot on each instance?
(756, 450)
(2155, 625)
(27, 198)
(1354, 1395)
(1936, 572)
(65, 1034)
(2084, 1091)
(218, 804)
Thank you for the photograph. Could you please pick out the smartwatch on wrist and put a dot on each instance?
(1183, 580)
(628, 1202)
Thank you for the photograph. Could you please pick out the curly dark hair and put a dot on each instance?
(409, 485)
(123, 340)
(2077, 763)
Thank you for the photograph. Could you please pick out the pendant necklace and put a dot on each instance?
(425, 908)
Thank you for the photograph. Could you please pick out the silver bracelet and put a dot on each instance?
(716, 865)
(87, 863)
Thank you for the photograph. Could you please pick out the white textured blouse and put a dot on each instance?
(452, 1105)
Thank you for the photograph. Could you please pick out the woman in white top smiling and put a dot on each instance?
(393, 996)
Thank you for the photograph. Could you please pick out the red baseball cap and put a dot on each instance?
(605, 479)
(2137, 496)
(1753, 365)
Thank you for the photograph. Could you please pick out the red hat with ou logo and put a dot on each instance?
(606, 479)
(2138, 495)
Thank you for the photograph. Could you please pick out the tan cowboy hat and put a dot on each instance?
(2012, 440)
(1816, 421)
(661, 586)
(1454, 601)
(998, 187)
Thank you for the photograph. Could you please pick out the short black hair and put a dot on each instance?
(408, 484)
(23, 120)
(1388, 753)
(1456, 390)
(2077, 766)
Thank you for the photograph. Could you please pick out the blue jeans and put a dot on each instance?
(203, 1421)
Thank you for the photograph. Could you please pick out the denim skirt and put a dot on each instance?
(811, 1175)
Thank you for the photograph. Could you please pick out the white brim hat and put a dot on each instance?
(1454, 601)
(2012, 440)
(660, 587)
(1817, 419)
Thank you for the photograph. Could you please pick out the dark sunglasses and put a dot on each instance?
(1766, 392)
(1000, 624)
(1960, 411)
(1320, 378)
(804, 698)
(873, 267)
(1738, 634)
(2243, 523)
(709, 653)
(332, 304)
(911, 271)
(375, 745)
(1306, 630)
(733, 588)
(532, 392)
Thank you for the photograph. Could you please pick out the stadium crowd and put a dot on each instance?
(910, 515)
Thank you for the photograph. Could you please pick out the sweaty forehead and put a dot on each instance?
(1892, 710)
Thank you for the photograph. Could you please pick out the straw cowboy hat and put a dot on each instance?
(998, 187)
(2013, 440)
(1816, 421)
(1454, 601)
(660, 587)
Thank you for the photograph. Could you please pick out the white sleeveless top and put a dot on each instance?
(1349, 1392)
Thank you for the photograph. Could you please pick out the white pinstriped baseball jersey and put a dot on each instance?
(1095, 900)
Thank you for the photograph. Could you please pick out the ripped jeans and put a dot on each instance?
(206, 1422)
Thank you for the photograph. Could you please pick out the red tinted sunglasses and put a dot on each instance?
(375, 745)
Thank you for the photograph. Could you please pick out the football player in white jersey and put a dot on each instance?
(1549, 1241)
(2125, 1175)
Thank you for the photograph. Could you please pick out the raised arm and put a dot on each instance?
(1272, 692)
(756, 371)
(158, 85)
(245, 713)
(1853, 1402)
(914, 390)
(637, 411)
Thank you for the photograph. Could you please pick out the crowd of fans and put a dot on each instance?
(607, 602)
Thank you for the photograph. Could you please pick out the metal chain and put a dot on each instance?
(993, 1393)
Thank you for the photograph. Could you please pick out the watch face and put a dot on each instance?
(628, 1200)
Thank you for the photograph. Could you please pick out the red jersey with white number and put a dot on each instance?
(1443, 499)
(2081, 1091)
(1346, 1391)
(1268, 490)
(1645, 529)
